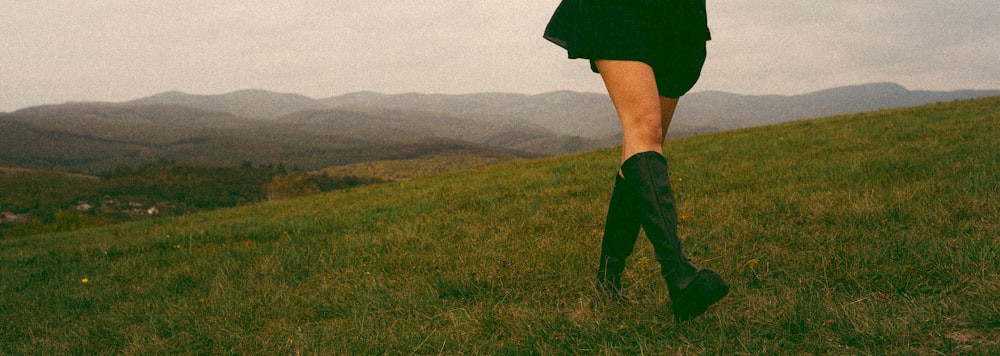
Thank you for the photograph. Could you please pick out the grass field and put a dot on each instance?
(401, 170)
(865, 234)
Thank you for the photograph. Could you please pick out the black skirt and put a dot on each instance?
(669, 35)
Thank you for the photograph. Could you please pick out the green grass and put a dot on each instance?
(437, 164)
(864, 234)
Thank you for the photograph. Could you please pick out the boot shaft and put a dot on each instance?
(649, 183)
(621, 228)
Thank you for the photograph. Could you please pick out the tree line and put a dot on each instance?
(53, 202)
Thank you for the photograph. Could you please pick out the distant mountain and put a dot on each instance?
(96, 137)
(566, 113)
(587, 115)
(729, 111)
(593, 115)
(372, 123)
(266, 127)
(252, 103)
(92, 137)
(524, 122)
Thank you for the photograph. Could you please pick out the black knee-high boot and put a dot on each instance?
(692, 290)
(621, 229)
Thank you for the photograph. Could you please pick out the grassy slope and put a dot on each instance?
(399, 170)
(873, 233)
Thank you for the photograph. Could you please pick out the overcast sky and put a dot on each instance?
(53, 51)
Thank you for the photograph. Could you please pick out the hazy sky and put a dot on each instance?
(52, 51)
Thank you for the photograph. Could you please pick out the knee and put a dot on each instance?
(646, 125)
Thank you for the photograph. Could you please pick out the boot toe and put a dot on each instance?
(707, 288)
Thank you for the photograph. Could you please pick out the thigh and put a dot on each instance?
(632, 87)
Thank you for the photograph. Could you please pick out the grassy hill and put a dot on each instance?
(400, 170)
(865, 234)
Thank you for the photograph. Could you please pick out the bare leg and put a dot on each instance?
(667, 107)
(645, 118)
(632, 88)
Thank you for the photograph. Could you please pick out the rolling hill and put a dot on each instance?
(873, 233)
(586, 115)
(266, 127)
(94, 137)
(250, 103)
(729, 111)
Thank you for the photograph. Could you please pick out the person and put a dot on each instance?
(649, 53)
